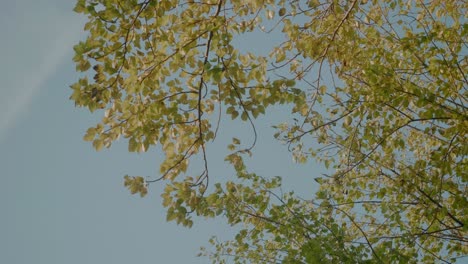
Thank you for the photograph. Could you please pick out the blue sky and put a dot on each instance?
(60, 201)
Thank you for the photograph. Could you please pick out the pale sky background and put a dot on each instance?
(60, 201)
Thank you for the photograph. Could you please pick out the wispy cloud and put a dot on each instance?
(37, 43)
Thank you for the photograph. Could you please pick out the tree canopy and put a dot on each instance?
(377, 92)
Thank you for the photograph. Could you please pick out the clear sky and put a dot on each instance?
(60, 201)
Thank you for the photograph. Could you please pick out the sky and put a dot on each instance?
(63, 202)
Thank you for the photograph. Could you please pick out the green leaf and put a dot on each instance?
(90, 134)
(282, 11)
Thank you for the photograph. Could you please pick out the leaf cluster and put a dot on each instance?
(377, 92)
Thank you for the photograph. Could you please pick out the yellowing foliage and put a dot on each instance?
(377, 92)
